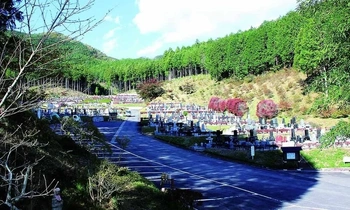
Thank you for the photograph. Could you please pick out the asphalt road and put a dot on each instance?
(225, 184)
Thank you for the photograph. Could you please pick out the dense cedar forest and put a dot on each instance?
(314, 38)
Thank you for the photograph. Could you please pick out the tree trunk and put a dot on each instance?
(325, 80)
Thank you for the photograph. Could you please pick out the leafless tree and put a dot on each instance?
(17, 171)
(24, 53)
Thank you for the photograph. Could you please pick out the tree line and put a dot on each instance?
(314, 38)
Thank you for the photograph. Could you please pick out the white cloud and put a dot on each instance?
(188, 20)
(110, 38)
(115, 20)
(109, 45)
(150, 50)
(110, 34)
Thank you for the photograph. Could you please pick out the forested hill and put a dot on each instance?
(75, 47)
(314, 39)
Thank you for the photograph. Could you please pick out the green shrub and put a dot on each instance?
(148, 129)
(340, 132)
(182, 141)
(249, 78)
(187, 88)
(150, 89)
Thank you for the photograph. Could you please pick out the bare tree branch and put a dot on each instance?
(45, 17)
(26, 55)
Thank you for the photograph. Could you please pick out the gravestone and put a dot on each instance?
(203, 128)
(318, 133)
(293, 120)
(299, 139)
(175, 128)
(292, 134)
(296, 126)
(274, 122)
(263, 121)
(210, 141)
(255, 134)
(307, 136)
(271, 137)
(231, 143)
(249, 121)
(313, 137)
(248, 115)
(252, 135)
(235, 133)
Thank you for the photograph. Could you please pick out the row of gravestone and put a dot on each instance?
(211, 117)
(175, 128)
(172, 106)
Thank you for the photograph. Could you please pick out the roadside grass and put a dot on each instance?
(181, 141)
(267, 159)
(316, 158)
(148, 130)
(217, 127)
(327, 158)
(98, 101)
(136, 192)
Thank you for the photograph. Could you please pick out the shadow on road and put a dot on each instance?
(222, 184)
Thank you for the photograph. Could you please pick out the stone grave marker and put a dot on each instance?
(274, 122)
(293, 121)
(271, 137)
(292, 134)
(313, 137)
(202, 126)
(307, 135)
(263, 123)
(318, 133)
(299, 139)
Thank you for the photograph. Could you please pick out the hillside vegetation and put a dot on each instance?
(285, 87)
(313, 43)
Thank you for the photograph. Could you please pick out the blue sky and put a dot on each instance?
(146, 28)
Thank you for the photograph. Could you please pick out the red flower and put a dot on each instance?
(267, 109)
(237, 106)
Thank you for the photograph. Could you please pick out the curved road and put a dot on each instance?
(224, 184)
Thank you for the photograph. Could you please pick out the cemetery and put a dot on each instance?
(236, 128)
(101, 108)
(266, 133)
(223, 124)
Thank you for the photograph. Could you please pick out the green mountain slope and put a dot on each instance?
(284, 87)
